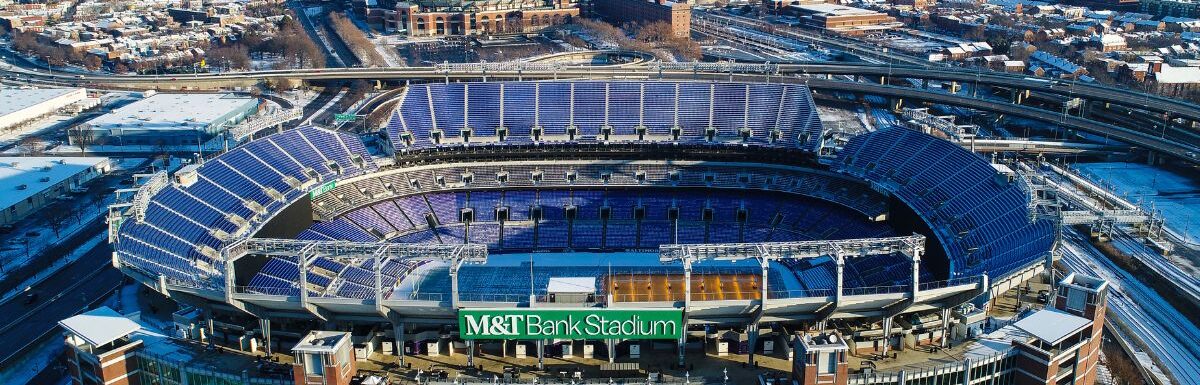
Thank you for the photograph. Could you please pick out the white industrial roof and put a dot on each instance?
(15, 99)
(99, 326)
(172, 112)
(30, 171)
(571, 285)
(1052, 326)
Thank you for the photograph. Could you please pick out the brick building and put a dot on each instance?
(324, 358)
(107, 348)
(1057, 345)
(432, 18)
(842, 19)
(678, 14)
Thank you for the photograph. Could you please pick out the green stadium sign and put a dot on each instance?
(343, 118)
(327, 187)
(533, 324)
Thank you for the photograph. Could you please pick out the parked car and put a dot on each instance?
(1043, 296)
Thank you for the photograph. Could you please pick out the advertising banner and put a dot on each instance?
(532, 324)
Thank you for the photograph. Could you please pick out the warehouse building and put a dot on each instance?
(29, 183)
(21, 106)
(170, 119)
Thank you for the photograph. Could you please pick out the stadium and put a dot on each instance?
(725, 200)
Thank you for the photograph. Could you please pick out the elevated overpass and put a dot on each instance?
(735, 71)
(1169, 107)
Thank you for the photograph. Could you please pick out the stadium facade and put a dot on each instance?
(721, 200)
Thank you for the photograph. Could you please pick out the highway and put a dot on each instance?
(1173, 107)
(61, 295)
(1186, 151)
(1181, 150)
(1169, 336)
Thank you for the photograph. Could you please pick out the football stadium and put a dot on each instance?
(726, 204)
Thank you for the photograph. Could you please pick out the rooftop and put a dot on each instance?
(37, 173)
(319, 341)
(834, 9)
(1052, 326)
(174, 112)
(13, 100)
(100, 326)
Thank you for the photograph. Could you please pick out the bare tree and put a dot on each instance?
(81, 137)
(56, 220)
(359, 44)
(32, 146)
(96, 196)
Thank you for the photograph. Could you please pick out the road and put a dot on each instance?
(1169, 336)
(1136, 136)
(62, 295)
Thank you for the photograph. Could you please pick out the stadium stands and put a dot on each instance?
(489, 113)
(596, 220)
(510, 176)
(186, 225)
(606, 204)
(981, 218)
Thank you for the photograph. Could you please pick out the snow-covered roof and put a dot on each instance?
(173, 112)
(13, 100)
(1052, 326)
(1173, 75)
(100, 326)
(36, 173)
(571, 285)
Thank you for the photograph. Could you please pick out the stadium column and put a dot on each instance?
(541, 350)
(398, 333)
(378, 267)
(752, 339)
(687, 284)
(687, 305)
(302, 259)
(454, 265)
(945, 327)
(840, 268)
(265, 324)
(765, 260)
(887, 334)
(915, 252)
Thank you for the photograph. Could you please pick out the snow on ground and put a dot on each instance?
(37, 126)
(53, 268)
(216, 144)
(1163, 330)
(1176, 196)
(39, 357)
(15, 252)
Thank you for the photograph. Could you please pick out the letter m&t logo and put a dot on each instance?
(486, 324)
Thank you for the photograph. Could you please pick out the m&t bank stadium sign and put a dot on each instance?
(533, 324)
